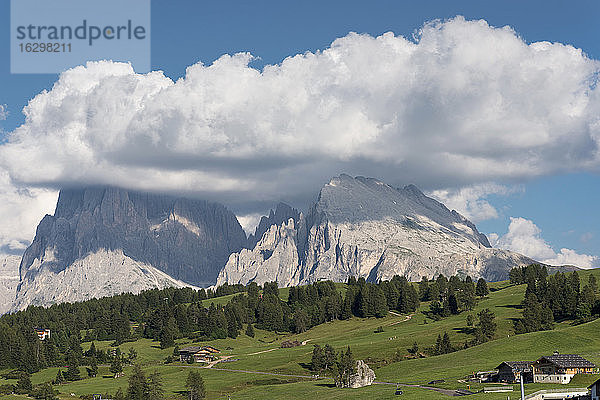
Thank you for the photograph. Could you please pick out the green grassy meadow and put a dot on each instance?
(263, 354)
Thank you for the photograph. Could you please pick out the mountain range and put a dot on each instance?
(108, 240)
(105, 240)
(363, 227)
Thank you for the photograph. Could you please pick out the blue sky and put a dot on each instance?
(563, 204)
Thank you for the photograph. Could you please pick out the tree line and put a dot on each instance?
(557, 297)
(168, 314)
(451, 296)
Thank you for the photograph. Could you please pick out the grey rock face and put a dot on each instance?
(274, 258)
(281, 214)
(9, 279)
(190, 240)
(363, 227)
(103, 273)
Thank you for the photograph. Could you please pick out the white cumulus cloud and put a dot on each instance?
(459, 105)
(21, 209)
(462, 104)
(471, 201)
(525, 237)
(3, 112)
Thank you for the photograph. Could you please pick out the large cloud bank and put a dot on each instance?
(460, 105)
(525, 237)
(463, 103)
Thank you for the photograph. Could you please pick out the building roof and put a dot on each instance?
(190, 349)
(519, 366)
(568, 361)
(595, 383)
(197, 349)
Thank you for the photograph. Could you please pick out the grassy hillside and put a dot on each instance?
(263, 354)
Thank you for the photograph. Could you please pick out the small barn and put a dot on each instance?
(511, 371)
(560, 368)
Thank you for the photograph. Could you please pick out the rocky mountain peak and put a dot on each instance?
(190, 240)
(352, 200)
(364, 227)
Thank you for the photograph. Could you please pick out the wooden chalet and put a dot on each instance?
(560, 368)
(197, 354)
(511, 371)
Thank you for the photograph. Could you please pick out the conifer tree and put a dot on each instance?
(116, 366)
(168, 334)
(154, 387)
(486, 325)
(138, 385)
(470, 320)
(92, 351)
(72, 373)
(93, 369)
(24, 384)
(593, 283)
(132, 355)
(345, 368)
(445, 345)
(482, 288)
(453, 303)
(195, 385)
(329, 357)
(414, 349)
(424, 289)
(45, 391)
(250, 330)
(59, 378)
(317, 360)
(346, 312)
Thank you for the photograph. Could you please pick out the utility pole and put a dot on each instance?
(522, 386)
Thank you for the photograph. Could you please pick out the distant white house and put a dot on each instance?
(42, 333)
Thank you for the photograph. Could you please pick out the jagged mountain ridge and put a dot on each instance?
(281, 214)
(363, 227)
(102, 241)
(187, 239)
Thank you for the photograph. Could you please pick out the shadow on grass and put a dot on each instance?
(494, 289)
(327, 385)
(304, 365)
(515, 306)
(466, 330)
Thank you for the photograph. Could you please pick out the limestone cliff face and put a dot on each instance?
(274, 258)
(363, 227)
(186, 240)
(99, 274)
(9, 280)
(281, 214)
